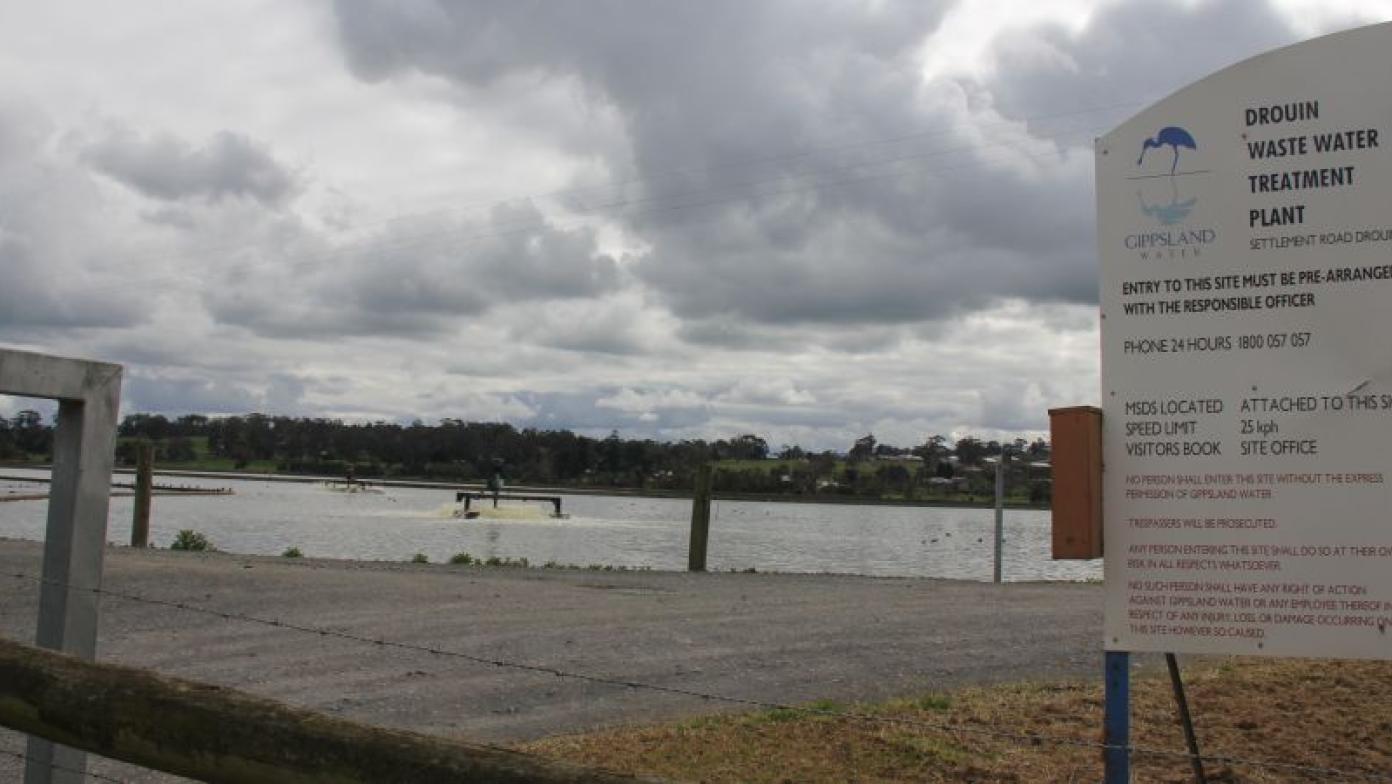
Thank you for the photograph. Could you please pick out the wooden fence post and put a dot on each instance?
(144, 488)
(700, 519)
(223, 736)
(1000, 515)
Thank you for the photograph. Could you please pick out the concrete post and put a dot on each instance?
(144, 489)
(88, 395)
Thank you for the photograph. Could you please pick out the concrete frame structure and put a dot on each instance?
(89, 396)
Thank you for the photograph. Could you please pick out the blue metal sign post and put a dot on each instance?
(1116, 720)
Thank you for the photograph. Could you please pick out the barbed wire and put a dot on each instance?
(55, 766)
(1020, 737)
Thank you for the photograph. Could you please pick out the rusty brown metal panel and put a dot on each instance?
(1075, 436)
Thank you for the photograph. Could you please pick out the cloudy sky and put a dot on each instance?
(806, 220)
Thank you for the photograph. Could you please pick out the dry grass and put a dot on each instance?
(1303, 712)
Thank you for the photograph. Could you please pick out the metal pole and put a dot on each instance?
(1195, 761)
(1116, 721)
(1000, 512)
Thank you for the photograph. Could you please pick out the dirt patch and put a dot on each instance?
(1315, 714)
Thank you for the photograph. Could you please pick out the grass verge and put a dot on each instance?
(1303, 712)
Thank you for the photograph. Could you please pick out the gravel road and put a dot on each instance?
(773, 637)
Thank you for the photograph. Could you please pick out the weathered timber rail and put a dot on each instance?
(223, 736)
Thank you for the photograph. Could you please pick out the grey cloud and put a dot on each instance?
(420, 278)
(737, 335)
(538, 261)
(167, 168)
(1136, 51)
(55, 247)
(612, 43)
(732, 136)
(33, 297)
(174, 218)
(206, 391)
(752, 214)
(732, 333)
(284, 393)
(581, 411)
(602, 326)
(732, 113)
(164, 346)
(285, 316)
(161, 394)
(820, 418)
(570, 410)
(592, 339)
(1013, 405)
(9, 406)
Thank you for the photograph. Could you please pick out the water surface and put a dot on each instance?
(265, 518)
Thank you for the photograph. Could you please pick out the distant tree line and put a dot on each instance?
(24, 435)
(456, 450)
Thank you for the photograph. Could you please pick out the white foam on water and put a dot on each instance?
(510, 513)
(488, 512)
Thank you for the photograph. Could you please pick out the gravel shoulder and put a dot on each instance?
(768, 637)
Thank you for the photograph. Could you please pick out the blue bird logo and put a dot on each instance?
(1173, 137)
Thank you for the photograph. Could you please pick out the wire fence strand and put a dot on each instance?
(1018, 737)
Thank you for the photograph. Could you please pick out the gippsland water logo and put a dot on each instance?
(1166, 195)
(1173, 137)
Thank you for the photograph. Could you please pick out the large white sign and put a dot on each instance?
(1245, 233)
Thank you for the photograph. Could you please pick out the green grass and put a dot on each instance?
(206, 461)
(938, 739)
(760, 465)
(188, 539)
(934, 702)
(518, 563)
(222, 464)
